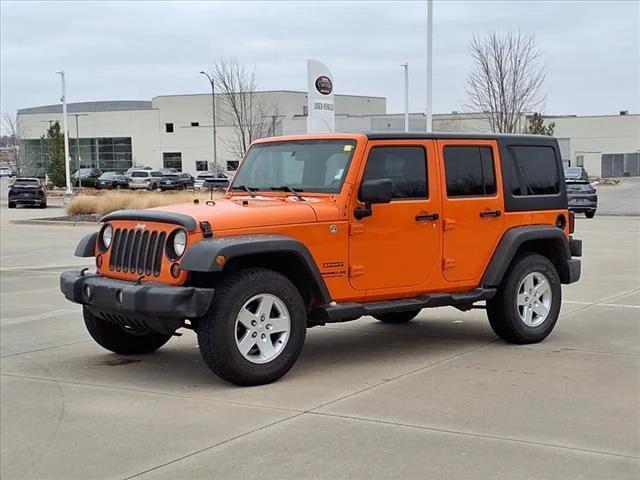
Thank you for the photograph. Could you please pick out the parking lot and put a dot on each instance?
(440, 397)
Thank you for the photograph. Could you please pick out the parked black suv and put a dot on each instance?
(111, 180)
(27, 191)
(176, 181)
(582, 198)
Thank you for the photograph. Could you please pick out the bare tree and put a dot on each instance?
(506, 79)
(248, 113)
(14, 133)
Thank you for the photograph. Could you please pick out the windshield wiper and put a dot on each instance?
(245, 188)
(287, 188)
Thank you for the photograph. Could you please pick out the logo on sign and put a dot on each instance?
(324, 85)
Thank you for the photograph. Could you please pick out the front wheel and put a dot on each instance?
(527, 304)
(112, 337)
(255, 328)
(590, 214)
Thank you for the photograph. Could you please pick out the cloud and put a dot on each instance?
(135, 50)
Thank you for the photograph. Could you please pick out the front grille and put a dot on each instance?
(137, 252)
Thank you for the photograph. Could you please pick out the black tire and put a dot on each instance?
(43, 205)
(217, 329)
(113, 338)
(12, 205)
(590, 214)
(502, 309)
(397, 317)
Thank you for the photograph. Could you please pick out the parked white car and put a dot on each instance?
(148, 179)
(6, 172)
(208, 180)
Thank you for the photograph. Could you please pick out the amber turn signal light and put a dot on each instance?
(220, 260)
(175, 270)
(99, 261)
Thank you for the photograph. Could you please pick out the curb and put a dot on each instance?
(618, 214)
(60, 223)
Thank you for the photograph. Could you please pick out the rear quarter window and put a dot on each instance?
(536, 170)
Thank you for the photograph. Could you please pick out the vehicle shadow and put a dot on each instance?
(357, 348)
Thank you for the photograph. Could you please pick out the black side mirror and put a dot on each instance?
(373, 191)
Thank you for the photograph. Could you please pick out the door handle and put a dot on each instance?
(423, 217)
(490, 213)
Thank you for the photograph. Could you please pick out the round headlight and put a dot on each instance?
(179, 243)
(106, 236)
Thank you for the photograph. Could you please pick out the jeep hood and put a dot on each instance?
(244, 212)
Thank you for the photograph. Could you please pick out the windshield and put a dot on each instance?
(107, 175)
(305, 165)
(573, 171)
(26, 181)
(139, 174)
(170, 177)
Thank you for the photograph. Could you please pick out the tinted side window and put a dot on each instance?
(536, 170)
(406, 167)
(469, 171)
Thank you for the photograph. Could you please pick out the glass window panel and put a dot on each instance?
(406, 167)
(537, 170)
(469, 171)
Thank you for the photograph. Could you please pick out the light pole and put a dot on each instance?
(78, 146)
(213, 113)
(69, 192)
(429, 64)
(406, 96)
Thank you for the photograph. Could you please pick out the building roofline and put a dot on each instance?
(90, 107)
(269, 91)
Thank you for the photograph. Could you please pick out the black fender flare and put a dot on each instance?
(201, 256)
(513, 239)
(87, 245)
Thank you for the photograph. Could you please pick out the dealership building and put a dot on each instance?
(175, 131)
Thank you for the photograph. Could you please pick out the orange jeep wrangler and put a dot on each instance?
(329, 228)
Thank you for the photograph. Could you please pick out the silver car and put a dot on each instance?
(147, 179)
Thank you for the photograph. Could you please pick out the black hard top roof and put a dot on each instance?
(509, 137)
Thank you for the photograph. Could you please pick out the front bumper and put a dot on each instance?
(165, 305)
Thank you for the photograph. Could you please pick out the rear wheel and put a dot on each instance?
(112, 337)
(397, 317)
(255, 328)
(590, 214)
(527, 304)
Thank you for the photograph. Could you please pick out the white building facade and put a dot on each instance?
(171, 131)
(176, 131)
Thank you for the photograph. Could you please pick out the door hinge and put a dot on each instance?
(448, 263)
(356, 271)
(356, 228)
(448, 224)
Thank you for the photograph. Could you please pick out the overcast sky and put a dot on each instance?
(137, 50)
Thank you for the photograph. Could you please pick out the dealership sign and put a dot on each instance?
(321, 107)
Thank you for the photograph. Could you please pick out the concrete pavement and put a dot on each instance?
(440, 397)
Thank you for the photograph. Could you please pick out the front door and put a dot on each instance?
(399, 244)
(472, 207)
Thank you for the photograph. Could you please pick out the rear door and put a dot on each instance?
(472, 206)
(399, 244)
